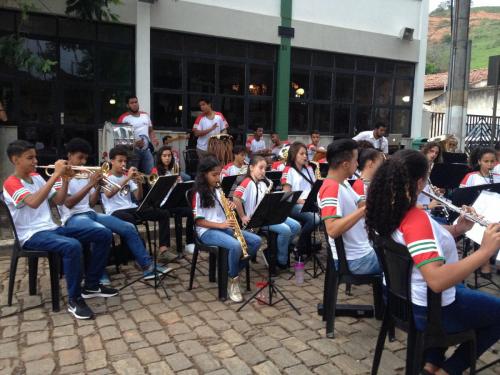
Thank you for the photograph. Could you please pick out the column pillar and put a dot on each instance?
(143, 55)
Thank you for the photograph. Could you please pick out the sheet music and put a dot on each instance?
(487, 205)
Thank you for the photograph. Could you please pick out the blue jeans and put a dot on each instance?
(143, 160)
(224, 238)
(286, 233)
(363, 266)
(65, 241)
(124, 229)
(472, 309)
(185, 177)
(309, 221)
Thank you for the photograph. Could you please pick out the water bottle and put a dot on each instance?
(299, 272)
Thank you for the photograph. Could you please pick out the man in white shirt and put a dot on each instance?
(143, 134)
(207, 124)
(376, 137)
(256, 144)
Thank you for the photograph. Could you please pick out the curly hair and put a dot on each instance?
(477, 154)
(430, 145)
(160, 167)
(393, 191)
(207, 165)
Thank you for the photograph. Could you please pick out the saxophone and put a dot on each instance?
(238, 234)
(317, 171)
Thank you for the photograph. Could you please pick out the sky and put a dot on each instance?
(475, 3)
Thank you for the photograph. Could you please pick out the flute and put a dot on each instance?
(450, 206)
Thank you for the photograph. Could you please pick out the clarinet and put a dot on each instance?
(447, 203)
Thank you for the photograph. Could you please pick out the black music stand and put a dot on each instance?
(311, 205)
(227, 184)
(448, 175)
(275, 177)
(454, 157)
(273, 209)
(154, 199)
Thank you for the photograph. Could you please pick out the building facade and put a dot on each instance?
(349, 67)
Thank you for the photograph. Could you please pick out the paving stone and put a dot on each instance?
(167, 349)
(40, 367)
(104, 320)
(265, 343)
(350, 365)
(276, 332)
(191, 348)
(311, 358)
(221, 371)
(65, 342)
(249, 353)
(129, 366)
(72, 369)
(325, 346)
(204, 332)
(158, 337)
(109, 333)
(126, 324)
(236, 366)
(37, 337)
(159, 368)
(178, 329)
(189, 372)
(95, 360)
(282, 357)
(206, 362)
(141, 315)
(10, 331)
(298, 370)
(33, 326)
(115, 347)
(150, 326)
(70, 357)
(178, 362)
(327, 369)
(266, 368)
(233, 337)
(295, 345)
(147, 355)
(37, 351)
(92, 343)
(66, 330)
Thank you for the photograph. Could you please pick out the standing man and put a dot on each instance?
(143, 134)
(207, 124)
(375, 137)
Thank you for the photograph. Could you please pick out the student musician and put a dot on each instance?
(123, 207)
(214, 228)
(369, 160)
(238, 165)
(165, 166)
(482, 161)
(314, 145)
(432, 152)
(83, 194)
(247, 197)
(277, 144)
(28, 197)
(280, 164)
(497, 153)
(343, 210)
(436, 263)
(256, 144)
(298, 175)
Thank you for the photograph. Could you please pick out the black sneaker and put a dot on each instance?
(101, 291)
(79, 308)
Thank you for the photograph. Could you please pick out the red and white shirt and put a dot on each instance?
(214, 214)
(360, 188)
(297, 182)
(27, 220)
(276, 149)
(476, 178)
(338, 200)
(141, 123)
(250, 193)
(231, 169)
(278, 166)
(202, 122)
(118, 201)
(74, 186)
(254, 145)
(427, 241)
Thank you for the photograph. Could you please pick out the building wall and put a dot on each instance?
(479, 102)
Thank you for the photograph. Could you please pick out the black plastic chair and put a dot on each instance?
(217, 261)
(333, 278)
(397, 265)
(32, 257)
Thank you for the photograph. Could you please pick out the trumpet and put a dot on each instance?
(450, 206)
(142, 177)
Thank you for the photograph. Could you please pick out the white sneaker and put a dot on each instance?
(233, 289)
(189, 248)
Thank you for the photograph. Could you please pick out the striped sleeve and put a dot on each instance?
(195, 202)
(196, 124)
(249, 143)
(121, 119)
(328, 200)
(16, 190)
(241, 190)
(225, 125)
(58, 184)
(359, 188)
(419, 237)
(286, 177)
(225, 170)
(466, 181)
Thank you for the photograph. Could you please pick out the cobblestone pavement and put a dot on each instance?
(140, 331)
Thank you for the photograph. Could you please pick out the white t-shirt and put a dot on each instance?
(231, 169)
(215, 214)
(475, 178)
(297, 181)
(381, 143)
(251, 194)
(311, 150)
(254, 145)
(202, 122)
(141, 123)
(338, 200)
(118, 201)
(27, 220)
(75, 185)
(427, 241)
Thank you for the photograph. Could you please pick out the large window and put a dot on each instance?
(237, 76)
(343, 95)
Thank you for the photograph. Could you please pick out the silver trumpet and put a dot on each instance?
(450, 206)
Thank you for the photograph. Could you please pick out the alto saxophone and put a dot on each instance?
(230, 215)
(317, 170)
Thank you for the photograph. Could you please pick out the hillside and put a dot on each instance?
(484, 33)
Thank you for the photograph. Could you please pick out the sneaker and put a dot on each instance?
(233, 289)
(149, 274)
(100, 291)
(104, 280)
(189, 248)
(79, 308)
